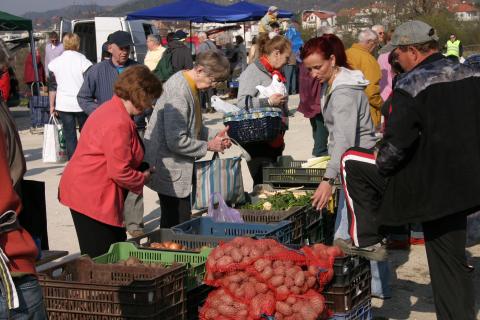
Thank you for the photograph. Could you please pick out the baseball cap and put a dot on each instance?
(272, 9)
(120, 38)
(413, 32)
(180, 35)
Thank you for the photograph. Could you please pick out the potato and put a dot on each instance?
(236, 255)
(299, 279)
(226, 310)
(283, 308)
(267, 273)
(261, 287)
(224, 261)
(277, 281)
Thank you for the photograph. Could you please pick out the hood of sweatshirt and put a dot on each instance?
(349, 78)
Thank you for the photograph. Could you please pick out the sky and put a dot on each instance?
(20, 7)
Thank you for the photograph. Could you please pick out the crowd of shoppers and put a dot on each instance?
(392, 174)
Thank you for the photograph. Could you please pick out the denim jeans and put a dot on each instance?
(31, 301)
(69, 121)
(380, 269)
(291, 74)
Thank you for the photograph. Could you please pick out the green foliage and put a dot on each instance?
(282, 201)
(445, 24)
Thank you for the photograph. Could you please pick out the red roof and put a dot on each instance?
(348, 12)
(464, 7)
(320, 14)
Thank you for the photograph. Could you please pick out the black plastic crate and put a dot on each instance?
(345, 298)
(195, 300)
(190, 242)
(287, 173)
(297, 215)
(347, 268)
(82, 289)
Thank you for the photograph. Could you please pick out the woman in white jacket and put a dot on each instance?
(66, 79)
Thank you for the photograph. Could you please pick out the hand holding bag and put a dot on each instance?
(54, 149)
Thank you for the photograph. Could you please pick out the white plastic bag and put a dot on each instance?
(54, 150)
(276, 86)
(223, 213)
(223, 106)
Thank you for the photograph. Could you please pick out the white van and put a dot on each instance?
(94, 32)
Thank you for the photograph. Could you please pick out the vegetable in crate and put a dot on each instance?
(317, 163)
(281, 201)
(167, 245)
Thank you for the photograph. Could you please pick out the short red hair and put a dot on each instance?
(326, 45)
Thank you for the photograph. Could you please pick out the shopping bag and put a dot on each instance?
(222, 213)
(54, 150)
(39, 105)
(219, 175)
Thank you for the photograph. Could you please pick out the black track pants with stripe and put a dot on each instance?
(445, 238)
(364, 188)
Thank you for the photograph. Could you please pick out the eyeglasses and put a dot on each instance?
(212, 79)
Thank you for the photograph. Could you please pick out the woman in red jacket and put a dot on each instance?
(107, 163)
(21, 296)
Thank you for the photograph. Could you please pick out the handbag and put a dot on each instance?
(54, 149)
(223, 176)
(254, 124)
(39, 107)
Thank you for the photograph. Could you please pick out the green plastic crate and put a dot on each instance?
(195, 261)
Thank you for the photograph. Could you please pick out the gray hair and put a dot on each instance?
(367, 35)
(155, 38)
(377, 27)
(202, 35)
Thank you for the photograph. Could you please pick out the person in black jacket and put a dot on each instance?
(181, 54)
(425, 170)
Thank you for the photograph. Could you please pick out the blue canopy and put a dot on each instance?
(190, 10)
(257, 11)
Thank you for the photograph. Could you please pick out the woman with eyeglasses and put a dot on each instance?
(176, 135)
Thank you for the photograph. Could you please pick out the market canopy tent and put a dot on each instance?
(256, 11)
(190, 10)
(9, 22)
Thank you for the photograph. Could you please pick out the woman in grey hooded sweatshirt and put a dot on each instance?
(346, 111)
(345, 106)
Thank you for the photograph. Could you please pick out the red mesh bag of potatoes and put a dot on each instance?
(220, 305)
(320, 259)
(284, 278)
(309, 306)
(242, 252)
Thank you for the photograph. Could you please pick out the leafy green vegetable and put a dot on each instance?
(281, 201)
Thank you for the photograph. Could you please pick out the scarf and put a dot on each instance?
(197, 107)
(271, 70)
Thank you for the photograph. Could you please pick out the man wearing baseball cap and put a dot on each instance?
(269, 18)
(425, 170)
(97, 88)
